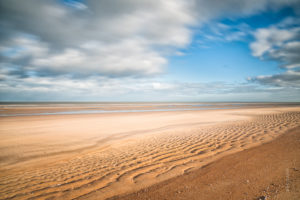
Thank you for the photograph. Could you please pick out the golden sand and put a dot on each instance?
(97, 156)
(268, 171)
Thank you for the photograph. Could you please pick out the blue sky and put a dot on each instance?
(221, 60)
(228, 61)
(171, 50)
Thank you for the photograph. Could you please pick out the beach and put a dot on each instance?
(142, 151)
(269, 171)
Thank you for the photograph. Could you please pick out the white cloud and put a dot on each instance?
(268, 39)
(131, 40)
(215, 31)
(128, 89)
(114, 38)
(130, 57)
(24, 46)
(46, 46)
(279, 42)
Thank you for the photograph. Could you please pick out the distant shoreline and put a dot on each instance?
(154, 102)
(43, 108)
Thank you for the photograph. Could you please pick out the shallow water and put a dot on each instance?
(112, 111)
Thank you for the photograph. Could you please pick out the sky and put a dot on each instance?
(142, 50)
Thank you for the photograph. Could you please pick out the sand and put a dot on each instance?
(99, 156)
(269, 171)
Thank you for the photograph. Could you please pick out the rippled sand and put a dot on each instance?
(268, 171)
(99, 156)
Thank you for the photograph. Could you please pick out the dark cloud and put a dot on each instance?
(287, 79)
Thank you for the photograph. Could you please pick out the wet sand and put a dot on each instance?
(99, 156)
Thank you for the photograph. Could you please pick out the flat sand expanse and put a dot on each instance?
(98, 156)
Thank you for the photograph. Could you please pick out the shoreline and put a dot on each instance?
(19, 110)
(268, 171)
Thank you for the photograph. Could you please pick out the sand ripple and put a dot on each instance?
(135, 164)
